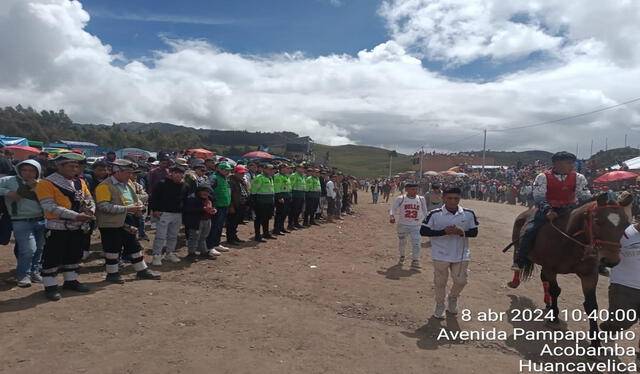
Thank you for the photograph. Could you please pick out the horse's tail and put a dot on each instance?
(527, 271)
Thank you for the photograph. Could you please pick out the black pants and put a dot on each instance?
(282, 212)
(233, 220)
(295, 211)
(264, 212)
(311, 205)
(62, 249)
(118, 242)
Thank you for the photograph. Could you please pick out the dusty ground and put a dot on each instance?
(264, 309)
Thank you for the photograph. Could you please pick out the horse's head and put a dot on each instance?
(606, 222)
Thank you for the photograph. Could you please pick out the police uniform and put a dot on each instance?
(263, 200)
(312, 198)
(298, 192)
(283, 195)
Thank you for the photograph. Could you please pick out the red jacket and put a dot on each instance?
(561, 193)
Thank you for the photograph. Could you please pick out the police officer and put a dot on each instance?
(298, 192)
(312, 197)
(262, 198)
(282, 188)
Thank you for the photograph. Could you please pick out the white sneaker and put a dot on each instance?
(453, 305)
(172, 257)
(24, 282)
(214, 252)
(439, 312)
(36, 277)
(157, 260)
(221, 248)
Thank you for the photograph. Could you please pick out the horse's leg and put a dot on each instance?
(515, 282)
(552, 291)
(589, 283)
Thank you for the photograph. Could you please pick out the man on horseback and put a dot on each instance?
(555, 192)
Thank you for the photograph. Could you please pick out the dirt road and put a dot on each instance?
(328, 299)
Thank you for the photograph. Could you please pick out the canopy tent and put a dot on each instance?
(200, 153)
(21, 152)
(258, 154)
(220, 158)
(632, 163)
(122, 153)
(616, 176)
(431, 173)
(13, 140)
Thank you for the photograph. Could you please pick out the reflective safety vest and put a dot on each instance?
(298, 185)
(262, 189)
(282, 186)
(313, 187)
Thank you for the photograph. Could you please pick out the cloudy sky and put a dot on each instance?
(394, 73)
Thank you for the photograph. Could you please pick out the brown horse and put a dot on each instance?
(575, 243)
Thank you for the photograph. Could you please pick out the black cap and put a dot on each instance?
(411, 184)
(561, 156)
(176, 169)
(204, 187)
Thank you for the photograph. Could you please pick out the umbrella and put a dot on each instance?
(258, 154)
(431, 173)
(200, 153)
(22, 152)
(615, 176)
(461, 175)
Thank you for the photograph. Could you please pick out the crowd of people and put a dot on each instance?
(55, 206)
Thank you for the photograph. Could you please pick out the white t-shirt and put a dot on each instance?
(450, 248)
(410, 211)
(330, 190)
(627, 272)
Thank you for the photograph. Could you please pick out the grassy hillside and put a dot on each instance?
(362, 161)
(604, 159)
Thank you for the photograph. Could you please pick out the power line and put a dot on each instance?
(569, 117)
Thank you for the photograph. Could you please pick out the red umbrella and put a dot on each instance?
(615, 176)
(22, 152)
(200, 153)
(257, 154)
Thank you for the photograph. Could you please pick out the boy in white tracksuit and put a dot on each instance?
(411, 210)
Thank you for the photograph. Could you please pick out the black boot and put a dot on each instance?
(52, 293)
(75, 286)
(147, 274)
(259, 239)
(269, 236)
(115, 278)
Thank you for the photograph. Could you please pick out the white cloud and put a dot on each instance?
(461, 31)
(382, 96)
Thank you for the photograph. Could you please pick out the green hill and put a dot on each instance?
(605, 159)
(362, 161)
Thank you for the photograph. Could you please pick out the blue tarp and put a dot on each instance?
(12, 140)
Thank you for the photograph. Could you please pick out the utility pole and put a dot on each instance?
(625, 140)
(390, 159)
(606, 144)
(421, 158)
(577, 151)
(591, 152)
(484, 151)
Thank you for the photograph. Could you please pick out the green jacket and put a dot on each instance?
(262, 191)
(298, 185)
(313, 187)
(221, 190)
(282, 186)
